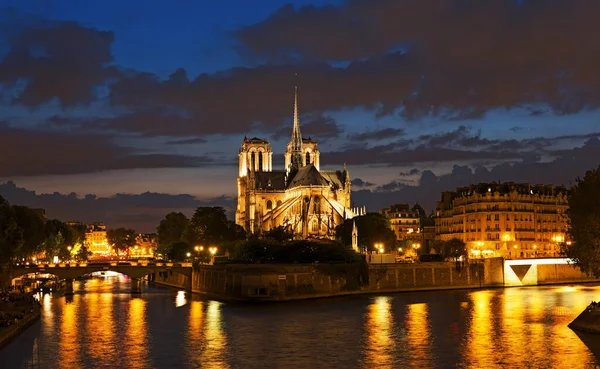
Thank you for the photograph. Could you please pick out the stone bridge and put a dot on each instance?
(134, 270)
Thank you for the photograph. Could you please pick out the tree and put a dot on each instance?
(32, 226)
(121, 238)
(58, 236)
(209, 227)
(10, 234)
(178, 251)
(453, 248)
(373, 228)
(173, 228)
(584, 223)
(279, 234)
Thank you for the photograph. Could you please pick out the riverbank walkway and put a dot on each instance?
(18, 310)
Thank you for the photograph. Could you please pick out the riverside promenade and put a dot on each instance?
(18, 310)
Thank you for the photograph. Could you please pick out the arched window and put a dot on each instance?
(314, 226)
(260, 161)
(252, 160)
(278, 203)
(307, 158)
(269, 204)
(317, 206)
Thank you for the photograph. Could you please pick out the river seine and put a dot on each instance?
(104, 327)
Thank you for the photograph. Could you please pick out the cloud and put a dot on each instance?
(447, 68)
(568, 165)
(457, 146)
(318, 126)
(63, 60)
(188, 141)
(359, 183)
(141, 212)
(378, 135)
(29, 153)
(412, 172)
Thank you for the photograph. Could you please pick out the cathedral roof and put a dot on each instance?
(274, 180)
(336, 178)
(308, 175)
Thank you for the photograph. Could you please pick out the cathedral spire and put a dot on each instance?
(296, 135)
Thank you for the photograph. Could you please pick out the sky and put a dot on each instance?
(122, 111)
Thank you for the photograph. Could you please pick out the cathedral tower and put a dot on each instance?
(301, 151)
(255, 156)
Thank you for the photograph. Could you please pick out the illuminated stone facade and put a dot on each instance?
(405, 222)
(509, 220)
(96, 240)
(301, 197)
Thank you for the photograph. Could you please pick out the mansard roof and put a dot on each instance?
(308, 175)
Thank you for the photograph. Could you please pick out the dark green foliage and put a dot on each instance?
(58, 236)
(279, 234)
(451, 248)
(173, 228)
(373, 228)
(209, 227)
(33, 229)
(178, 251)
(295, 252)
(121, 238)
(10, 234)
(584, 223)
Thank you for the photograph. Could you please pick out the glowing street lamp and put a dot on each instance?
(212, 250)
(188, 254)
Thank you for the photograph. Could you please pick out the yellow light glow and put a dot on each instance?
(379, 327)
(136, 335)
(417, 334)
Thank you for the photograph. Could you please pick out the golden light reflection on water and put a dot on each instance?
(566, 349)
(513, 320)
(69, 343)
(180, 299)
(100, 328)
(379, 329)
(480, 344)
(418, 334)
(213, 354)
(47, 312)
(195, 332)
(136, 336)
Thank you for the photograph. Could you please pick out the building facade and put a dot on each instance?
(509, 220)
(405, 222)
(301, 197)
(96, 240)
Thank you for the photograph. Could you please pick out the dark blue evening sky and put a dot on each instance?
(152, 98)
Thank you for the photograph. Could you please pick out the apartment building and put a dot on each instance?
(505, 219)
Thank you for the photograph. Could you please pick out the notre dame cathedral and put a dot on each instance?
(306, 200)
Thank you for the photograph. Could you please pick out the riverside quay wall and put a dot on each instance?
(293, 282)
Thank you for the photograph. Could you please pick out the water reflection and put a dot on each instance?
(105, 327)
(136, 337)
(195, 333)
(379, 333)
(69, 344)
(180, 299)
(214, 353)
(418, 335)
(100, 328)
(481, 347)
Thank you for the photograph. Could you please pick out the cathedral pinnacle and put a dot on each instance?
(296, 135)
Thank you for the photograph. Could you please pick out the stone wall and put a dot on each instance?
(561, 273)
(292, 282)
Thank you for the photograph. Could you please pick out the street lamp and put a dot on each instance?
(212, 250)
(197, 248)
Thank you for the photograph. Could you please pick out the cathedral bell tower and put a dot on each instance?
(255, 156)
